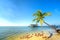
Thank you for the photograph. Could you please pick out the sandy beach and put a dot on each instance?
(35, 36)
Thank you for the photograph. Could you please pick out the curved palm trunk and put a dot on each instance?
(50, 26)
(57, 30)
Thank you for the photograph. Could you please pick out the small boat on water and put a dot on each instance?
(33, 25)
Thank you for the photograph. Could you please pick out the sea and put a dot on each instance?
(11, 30)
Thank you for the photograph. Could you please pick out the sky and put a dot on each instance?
(19, 12)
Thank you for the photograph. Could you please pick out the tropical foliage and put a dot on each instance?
(39, 16)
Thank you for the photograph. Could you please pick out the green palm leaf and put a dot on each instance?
(39, 16)
(37, 21)
(33, 20)
(46, 14)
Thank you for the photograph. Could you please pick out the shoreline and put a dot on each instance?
(34, 36)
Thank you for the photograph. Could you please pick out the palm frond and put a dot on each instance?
(35, 14)
(38, 13)
(46, 14)
(34, 20)
(37, 21)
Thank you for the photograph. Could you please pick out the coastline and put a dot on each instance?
(35, 36)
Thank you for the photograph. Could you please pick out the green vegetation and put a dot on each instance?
(39, 18)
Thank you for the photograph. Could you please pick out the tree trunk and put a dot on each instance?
(52, 26)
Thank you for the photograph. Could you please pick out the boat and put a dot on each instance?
(33, 25)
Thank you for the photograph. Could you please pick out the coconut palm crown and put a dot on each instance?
(39, 16)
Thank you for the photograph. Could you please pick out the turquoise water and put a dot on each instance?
(6, 31)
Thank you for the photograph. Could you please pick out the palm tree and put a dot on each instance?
(39, 18)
